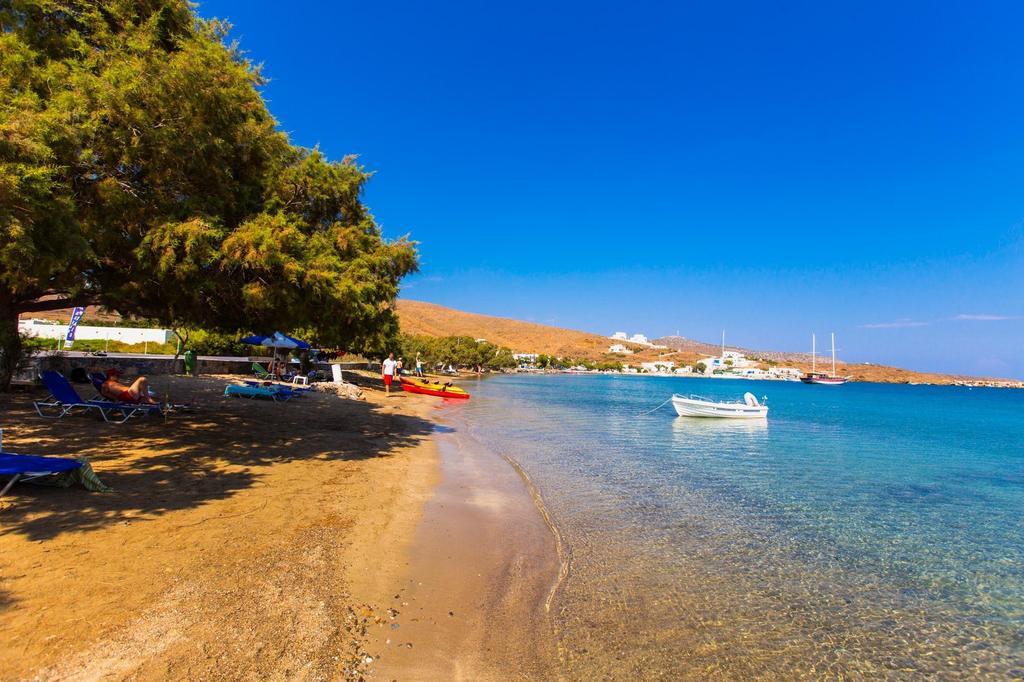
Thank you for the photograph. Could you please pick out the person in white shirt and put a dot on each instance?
(387, 370)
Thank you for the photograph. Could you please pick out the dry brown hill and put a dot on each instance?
(429, 319)
(418, 317)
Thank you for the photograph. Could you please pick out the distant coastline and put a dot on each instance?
(430, 319)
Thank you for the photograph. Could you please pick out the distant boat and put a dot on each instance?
(696, 406)
(816, 377)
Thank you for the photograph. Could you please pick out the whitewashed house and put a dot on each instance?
(619, 336)
(785, 372)
(525, 360)
(619, 349)
(658, 367)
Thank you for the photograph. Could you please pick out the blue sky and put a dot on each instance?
(768, 168)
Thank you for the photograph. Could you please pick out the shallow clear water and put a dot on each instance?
(865, 530)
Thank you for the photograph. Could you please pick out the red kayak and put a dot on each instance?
(438, 389)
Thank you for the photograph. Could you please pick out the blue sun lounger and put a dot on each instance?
(270, 392)
(284, 388)
(27, 467)
(64, 400)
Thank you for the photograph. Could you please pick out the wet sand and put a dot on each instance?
(255, 540)
(473, 602)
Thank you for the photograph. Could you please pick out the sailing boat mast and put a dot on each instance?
(814, 365)
(723, 345)
(833, 353)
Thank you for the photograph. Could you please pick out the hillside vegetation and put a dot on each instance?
(429, 319)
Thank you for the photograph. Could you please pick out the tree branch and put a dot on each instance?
(40, 306)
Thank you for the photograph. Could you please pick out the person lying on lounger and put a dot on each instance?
(114, 390)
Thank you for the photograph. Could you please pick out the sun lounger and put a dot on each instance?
(268, 392)
(296, 389)
(262, 373)
(28, 467)
(64, 400)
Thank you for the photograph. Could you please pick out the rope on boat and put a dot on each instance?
(656, 408)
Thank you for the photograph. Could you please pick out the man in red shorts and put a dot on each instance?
(387, 370)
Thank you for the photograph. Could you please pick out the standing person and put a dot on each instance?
(419, 365)
(398, 367)
(387, 370)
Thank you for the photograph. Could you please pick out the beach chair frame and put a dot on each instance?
(24, 475)
(64, 400)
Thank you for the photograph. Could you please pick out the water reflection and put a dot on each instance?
(861, 535)
(695, 432)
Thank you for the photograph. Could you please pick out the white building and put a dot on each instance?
(619, 336)
(524, 360)
(659, 367)
(45, 329)
(639, 338)
(730, 360)
(620, 349)
(785, 372)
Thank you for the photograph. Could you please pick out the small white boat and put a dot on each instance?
(696, 406)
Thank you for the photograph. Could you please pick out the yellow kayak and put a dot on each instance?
(441, 390)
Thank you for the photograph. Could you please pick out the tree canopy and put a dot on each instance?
(460, 351)
(140, 170)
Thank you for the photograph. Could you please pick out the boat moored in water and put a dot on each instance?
(697, 406)
(823, 379)
(816, 377)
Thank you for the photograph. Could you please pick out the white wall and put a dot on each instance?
(123, 334)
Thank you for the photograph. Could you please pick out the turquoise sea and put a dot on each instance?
(863, 531)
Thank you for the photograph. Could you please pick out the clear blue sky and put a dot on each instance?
(768, 168)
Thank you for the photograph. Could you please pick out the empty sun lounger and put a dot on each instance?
(64, 400)
(28, 467)
(267, 392)
(296, 389)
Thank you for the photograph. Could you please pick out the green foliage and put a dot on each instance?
(701, 367)
(141, 170)
(461, 351)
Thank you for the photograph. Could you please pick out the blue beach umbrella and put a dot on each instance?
(275, 341)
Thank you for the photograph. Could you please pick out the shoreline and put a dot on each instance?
(308, 539)
(473, 603)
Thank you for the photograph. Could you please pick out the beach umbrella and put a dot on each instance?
(254, 340)
(285, 341)
(276, 340)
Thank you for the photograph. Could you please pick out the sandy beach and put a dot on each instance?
(255, 540)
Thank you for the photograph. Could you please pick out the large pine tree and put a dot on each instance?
(140, 170)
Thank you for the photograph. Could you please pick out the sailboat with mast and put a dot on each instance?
(816, 377)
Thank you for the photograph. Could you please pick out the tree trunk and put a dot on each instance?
(179, 348)
(10, 345)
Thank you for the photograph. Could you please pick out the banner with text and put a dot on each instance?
(76, 317)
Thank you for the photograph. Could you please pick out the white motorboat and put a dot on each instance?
(697, 406)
